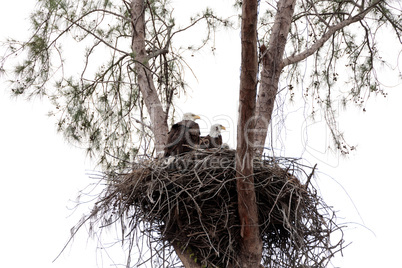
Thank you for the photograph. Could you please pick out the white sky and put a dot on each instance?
(41, 172)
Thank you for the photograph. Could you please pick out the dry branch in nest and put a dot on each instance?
(192, 204)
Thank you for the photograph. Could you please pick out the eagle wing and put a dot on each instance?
(216, 142)
(182, 137)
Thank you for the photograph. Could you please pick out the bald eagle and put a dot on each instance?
(213, 139)
(183, 136)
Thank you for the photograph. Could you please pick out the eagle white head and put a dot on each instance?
(216, 130)
(190, 116)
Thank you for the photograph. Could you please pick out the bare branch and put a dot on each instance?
(96, 36)
(331, 30)
(395, 25)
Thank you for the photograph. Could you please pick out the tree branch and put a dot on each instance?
(96, 37)
(391, 20)
(331, 30)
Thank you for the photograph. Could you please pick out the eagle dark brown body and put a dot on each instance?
(182, 137)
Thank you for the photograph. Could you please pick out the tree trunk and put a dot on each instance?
(146, 84)
(251, 244)
(158, 116)
(272, 65)
(185, 258)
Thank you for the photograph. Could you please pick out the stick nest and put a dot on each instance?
(191, 204)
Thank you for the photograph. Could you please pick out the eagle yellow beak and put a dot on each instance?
(222, 127)
(196, 117)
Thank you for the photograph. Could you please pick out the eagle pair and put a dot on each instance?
(185, 135)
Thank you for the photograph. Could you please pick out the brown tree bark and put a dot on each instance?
(272, 65)
(158, 116)
(185, 258)
(251, 245)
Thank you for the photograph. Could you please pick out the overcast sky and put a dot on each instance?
(41, 173)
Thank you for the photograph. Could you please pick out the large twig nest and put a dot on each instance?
(192, 204)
